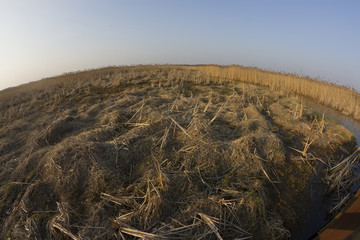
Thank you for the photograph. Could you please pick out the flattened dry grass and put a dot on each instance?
(157, 153)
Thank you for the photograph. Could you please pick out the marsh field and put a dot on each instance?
(170, 152)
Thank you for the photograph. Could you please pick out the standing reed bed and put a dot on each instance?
(344, 99)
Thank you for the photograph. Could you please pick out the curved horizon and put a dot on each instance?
(43, 39)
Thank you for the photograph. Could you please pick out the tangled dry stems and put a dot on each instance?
(156, 153)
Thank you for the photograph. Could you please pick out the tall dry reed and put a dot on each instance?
(341, 98)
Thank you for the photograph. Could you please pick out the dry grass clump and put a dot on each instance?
(343, 175)
(157, 153)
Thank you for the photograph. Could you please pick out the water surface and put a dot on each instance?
(348, 122)
(318, 215)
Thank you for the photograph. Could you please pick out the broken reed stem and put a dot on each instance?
(296, 114)
(202, 180)
(341, 203)
(341, 173)
(111, 198)
(138, 124)
(178, 230)
(134, 232)
(196, 107)
(119, 201)
(164, 137)
(207, 106)
(211, 225)
(141, 107)
(63, 230)
(220, 109)
(158, 170)
(181, 128)
(322, 124)
(306, 147)
(263, 170)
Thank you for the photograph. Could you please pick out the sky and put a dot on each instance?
(42, 38)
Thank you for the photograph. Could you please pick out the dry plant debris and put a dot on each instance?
(159, 152)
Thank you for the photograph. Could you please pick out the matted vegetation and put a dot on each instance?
(158, 152)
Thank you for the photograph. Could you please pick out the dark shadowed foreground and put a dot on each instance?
(161, 153)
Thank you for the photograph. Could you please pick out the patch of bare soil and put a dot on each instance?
(160, 154)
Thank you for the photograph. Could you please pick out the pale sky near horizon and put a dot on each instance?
(42, 38)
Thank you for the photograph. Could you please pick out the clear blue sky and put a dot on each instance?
(42, 38)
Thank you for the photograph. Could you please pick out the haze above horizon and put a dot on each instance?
(45, 38)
